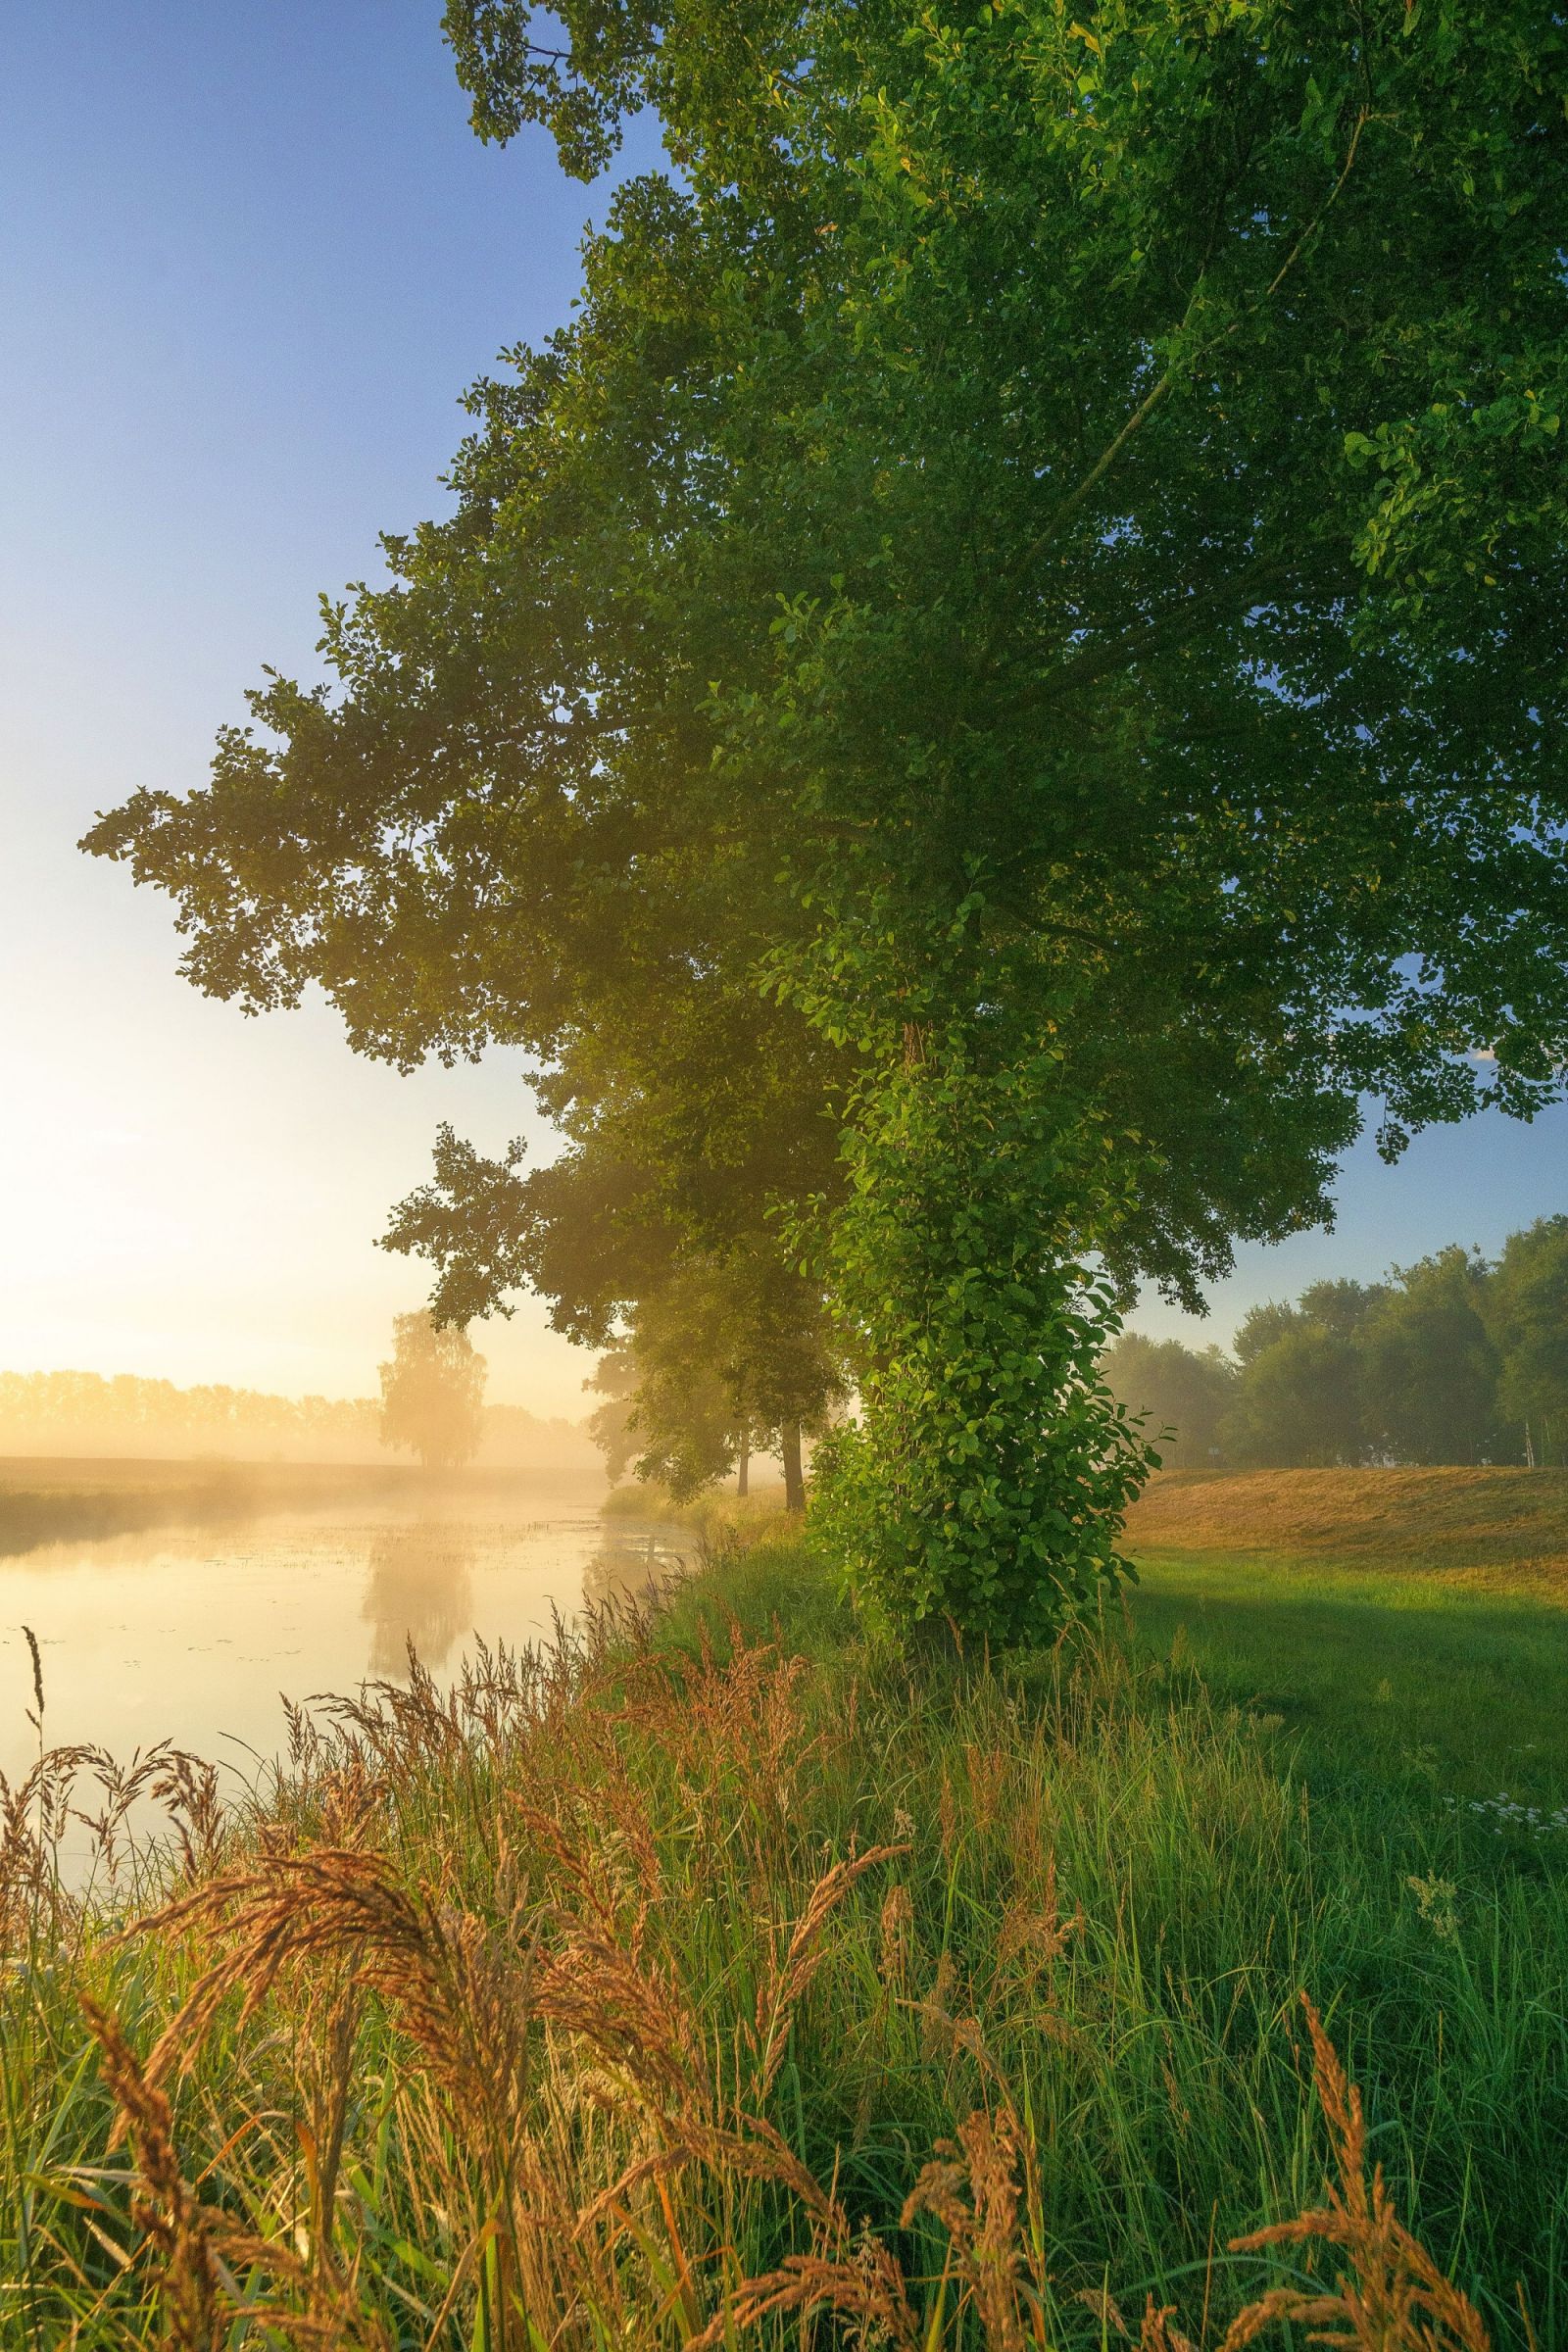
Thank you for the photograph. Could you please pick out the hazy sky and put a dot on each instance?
(249, 255)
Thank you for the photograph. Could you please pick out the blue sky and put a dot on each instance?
(249, 256)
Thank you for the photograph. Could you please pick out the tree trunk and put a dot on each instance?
(789, 1445)
(743, 1475)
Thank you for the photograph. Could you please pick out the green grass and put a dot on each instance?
(1389, 1674)
(1406, 1626)
(1112, 1885)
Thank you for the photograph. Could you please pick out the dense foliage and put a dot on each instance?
(1045, 537)
(1455, 1359)
(717, 1338)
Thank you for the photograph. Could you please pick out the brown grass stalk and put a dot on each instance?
(1392, 2297)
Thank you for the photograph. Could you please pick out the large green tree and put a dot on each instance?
(1429, 1369)
(1525, 1304)
(1030, 598)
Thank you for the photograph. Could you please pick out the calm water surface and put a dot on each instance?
(189, 1631)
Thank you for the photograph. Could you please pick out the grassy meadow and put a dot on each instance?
(733, 1979)
(1406, 1626)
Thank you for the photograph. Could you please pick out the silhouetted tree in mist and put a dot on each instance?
(1184, 1389)
(432, 1392)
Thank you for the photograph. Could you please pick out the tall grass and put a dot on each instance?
(728, 1978)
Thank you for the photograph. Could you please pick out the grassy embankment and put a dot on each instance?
(1404, 1625)
(628, 1975)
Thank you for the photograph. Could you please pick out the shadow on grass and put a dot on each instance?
(1438, 1680)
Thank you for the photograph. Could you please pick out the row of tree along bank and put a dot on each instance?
(431, 1406)
(1456, 1359)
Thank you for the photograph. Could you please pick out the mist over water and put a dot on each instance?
(189, 1630)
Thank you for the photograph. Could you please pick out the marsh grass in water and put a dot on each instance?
(720, 1977)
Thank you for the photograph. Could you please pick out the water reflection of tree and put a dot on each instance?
(626, 1566)
(419, 1587)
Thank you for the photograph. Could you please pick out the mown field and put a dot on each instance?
(1406, 1625)
(745, 1982)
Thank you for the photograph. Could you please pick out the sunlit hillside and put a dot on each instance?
(1452, 1520)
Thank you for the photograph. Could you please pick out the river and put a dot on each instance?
(188, 1629)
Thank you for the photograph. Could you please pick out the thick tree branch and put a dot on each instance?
(1267, 579)
(1076, 499)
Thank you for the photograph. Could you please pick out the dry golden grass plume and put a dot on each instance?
(86, 1787)
(973, 2190)
(987, 1768)
(34, 1813)
(459, 1989)
(174, 2225)
(733, 1731)
(1033, 1934)
(779, 1996)
(895, 1926)
(200, 2253)
(862, 2287)
(1392, 2297)
(1155, 2334)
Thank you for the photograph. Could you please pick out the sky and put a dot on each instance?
(249, 257)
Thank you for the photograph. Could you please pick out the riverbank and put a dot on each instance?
(645, 1969)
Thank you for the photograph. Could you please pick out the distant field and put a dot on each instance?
(42, 1474)
(1456, 1522)
(1410, 1625)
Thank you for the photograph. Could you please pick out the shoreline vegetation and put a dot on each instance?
(710, 1972)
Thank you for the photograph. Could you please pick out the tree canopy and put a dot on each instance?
(1455, 1359)
(1182, 1391)
(1525, 1304)
(1429, 1368)
(1001, 679)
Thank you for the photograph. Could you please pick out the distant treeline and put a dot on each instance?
(1459, 1358)
(83, 1414)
